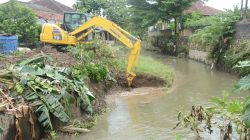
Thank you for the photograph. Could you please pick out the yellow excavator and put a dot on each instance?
(77, 29)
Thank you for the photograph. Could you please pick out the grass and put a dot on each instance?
(150, 66)
(18, 53)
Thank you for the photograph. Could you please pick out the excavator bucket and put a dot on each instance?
(133, 62)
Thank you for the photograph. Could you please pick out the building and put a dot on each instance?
(48, 11)
(162, 28)
(201, 8)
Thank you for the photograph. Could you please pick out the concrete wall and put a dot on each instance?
(199, 56)
(242, 30)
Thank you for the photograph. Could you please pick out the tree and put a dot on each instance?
(118, 12)
(17, 19)
(114, 10)
(147, 12)
(94, 7)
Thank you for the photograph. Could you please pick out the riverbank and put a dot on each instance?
(153, 115)
(226, 58)
(98, 89)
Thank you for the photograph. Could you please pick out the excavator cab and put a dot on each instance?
(71, 21)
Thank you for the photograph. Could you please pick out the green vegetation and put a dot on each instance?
(135, 16)
(91, 6)
(53, 135)
(86, 125)
(18, 53)
(147, 13)
(17, 19)
(96, 72)
(149, 66)
(235, 113)
(49, 89)
(239, 51)
(1, 129)
(114, 10)
(215, 35)
(214, 30)
(95, 59)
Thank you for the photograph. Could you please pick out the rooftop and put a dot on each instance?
(203, 9)
(48, 9)
(52, 5)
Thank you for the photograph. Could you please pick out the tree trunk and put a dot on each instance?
(241, 9)
(177, 30)
(246, 7)
(176, 20)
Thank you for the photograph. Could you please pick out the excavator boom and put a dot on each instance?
(77, 35)
(120, 34)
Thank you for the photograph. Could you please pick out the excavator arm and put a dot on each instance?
(133, 43)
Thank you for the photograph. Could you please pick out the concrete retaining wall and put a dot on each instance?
(242, 30)
(199, 56)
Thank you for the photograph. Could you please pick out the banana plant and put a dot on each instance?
(49, 89)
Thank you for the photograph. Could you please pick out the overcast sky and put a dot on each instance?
(219, 4)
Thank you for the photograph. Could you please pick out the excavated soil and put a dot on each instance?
(141, 80)
(62, 59)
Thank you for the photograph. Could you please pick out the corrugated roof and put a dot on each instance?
(203, 9)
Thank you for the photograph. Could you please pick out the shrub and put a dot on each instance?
(17, 19)
(95, 58)
(239, 51)
(97, 72)
(211, 37)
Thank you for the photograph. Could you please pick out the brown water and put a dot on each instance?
(152, 114)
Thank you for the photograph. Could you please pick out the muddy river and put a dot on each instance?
(151, 113)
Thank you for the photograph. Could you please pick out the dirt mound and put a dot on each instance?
(61, 59)
(141, 80)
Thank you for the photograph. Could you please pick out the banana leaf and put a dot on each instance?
(35, 60)
(49, 89)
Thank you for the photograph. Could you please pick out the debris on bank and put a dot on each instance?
(47, 90)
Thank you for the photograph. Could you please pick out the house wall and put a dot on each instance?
(42, 21)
